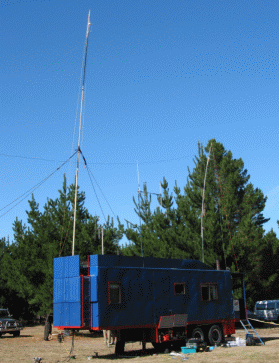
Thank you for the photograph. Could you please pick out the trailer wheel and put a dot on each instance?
(119, 347)
(16, 333)
(198, 333)
(215, 335)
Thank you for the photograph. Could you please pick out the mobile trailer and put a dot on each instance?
(267, 310)
(155, 300)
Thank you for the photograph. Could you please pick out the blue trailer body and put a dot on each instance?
(121, 292)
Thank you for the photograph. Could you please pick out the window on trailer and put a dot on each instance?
(209, 292)
(179, 288)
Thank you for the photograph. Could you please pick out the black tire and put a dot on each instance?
(16, 333)
(215, 335)
(198, 334)
(0, 335)
(119, 347)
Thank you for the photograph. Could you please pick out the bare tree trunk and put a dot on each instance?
(48, 326)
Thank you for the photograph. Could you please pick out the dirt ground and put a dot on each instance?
(90, 347)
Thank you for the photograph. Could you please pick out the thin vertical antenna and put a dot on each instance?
(161, 195)
(138, 176)
(103, 241)
(80, 119)
(139, 208)
(203, 195)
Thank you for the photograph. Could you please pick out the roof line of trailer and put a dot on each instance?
(162, 268)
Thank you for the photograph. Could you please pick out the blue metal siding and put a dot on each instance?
(162, 292)
(66, 314)
(93, 270)
(58, 267)
(58, 290)
(73, 289)
(93, 288)
(208, 310)
(147, 293)
(67, 294)
(57, 314)
(136, 290)
(66, 267)
(74, 314)
(71, 266)
(95, 315)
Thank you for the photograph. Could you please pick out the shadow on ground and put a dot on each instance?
(11, 337)
(267, 339)
(128, 354)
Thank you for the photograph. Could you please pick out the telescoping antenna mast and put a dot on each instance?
(79, 132)
(203, 196)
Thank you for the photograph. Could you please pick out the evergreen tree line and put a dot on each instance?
(231, 218)
(27, 264)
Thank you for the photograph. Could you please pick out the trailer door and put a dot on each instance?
(161, 295)
(239, 295)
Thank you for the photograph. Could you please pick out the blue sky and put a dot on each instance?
(161, 76)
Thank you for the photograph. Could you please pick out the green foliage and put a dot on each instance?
(27, 268)
(167, 231)
(232, 221)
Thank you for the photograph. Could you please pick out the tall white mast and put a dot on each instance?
(79, 132)
(203, 196)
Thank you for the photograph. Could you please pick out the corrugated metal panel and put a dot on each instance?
(71, 266)
(58, 290)
(95, 315)
(73, 289)
(93, 288)
(94, 261)
(65, 314)
(58, 267)
(75, 314)
(57, 314)
(94, 270)
(66, 267)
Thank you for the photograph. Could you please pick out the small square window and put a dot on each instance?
(179, 288)
(114, 293)
(209, 292)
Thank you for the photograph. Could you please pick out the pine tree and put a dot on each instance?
(264, 278)
(165, 232)
(233, 216)
(28, 267)
(232, 220)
